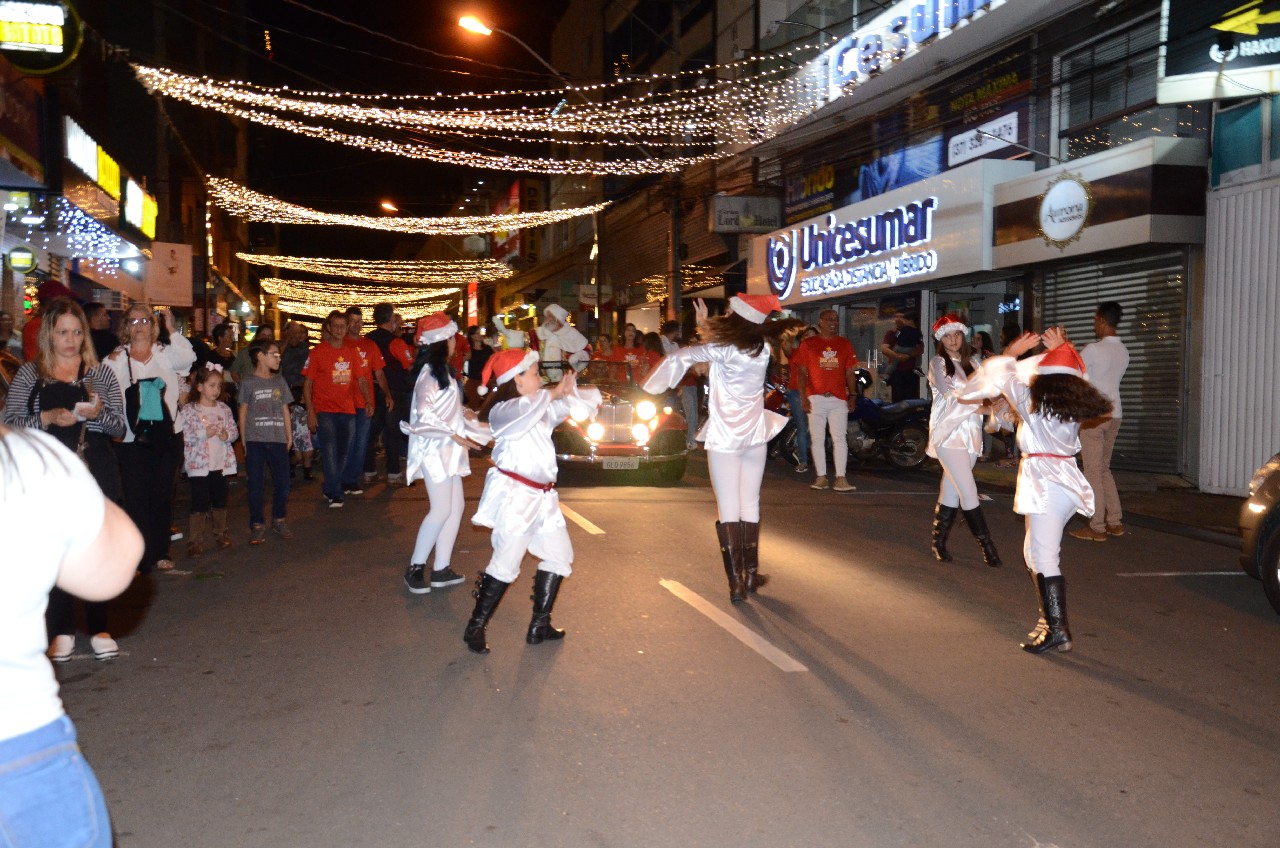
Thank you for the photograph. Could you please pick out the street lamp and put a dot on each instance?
(473, 24)
(389, 207)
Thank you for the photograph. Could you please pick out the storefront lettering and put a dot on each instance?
(810, 248)
(903, 27)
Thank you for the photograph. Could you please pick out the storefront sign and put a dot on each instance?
(983, 141)
(936, 227)
(892, 36)
(809, 193)
(39, 37)
(744, 214)
(1219, 50)
(20, 260)
(139, 209)
(1064, 209)
(827, 255)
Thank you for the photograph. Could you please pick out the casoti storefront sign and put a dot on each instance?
(934, 228)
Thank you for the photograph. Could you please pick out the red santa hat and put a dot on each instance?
(1063, 359)
(435, 327)
(755, 307)
(949, 324)
(506, 364)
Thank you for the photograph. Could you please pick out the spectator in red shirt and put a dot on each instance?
(630, 349)
(374, 367)
(828, 389)
(334, 372)
(390, 406)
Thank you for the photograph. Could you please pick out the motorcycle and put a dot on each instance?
(897, 432)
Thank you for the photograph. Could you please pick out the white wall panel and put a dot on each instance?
(1240, 397)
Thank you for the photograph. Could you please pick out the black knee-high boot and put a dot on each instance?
(730, 535)
(488, 592)
(545, 588)
(978, 527)
(943, 518)
(1053, 600)
(1042, 626)
(752, 578)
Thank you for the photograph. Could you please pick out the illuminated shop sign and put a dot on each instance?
(35, 27)
(139, 209)
(893, 35)
(87, 155)
(845, 255)
(39, 36)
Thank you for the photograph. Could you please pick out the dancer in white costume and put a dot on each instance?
(955, 439)
(1052, 397)
(520, 502)
(738, 427)
(441, 430)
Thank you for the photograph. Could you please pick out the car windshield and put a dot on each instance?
(602, 372)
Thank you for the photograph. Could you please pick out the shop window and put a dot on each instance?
(1106, 95)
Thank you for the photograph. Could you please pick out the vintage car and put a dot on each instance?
(1260, 530)
(633, 431)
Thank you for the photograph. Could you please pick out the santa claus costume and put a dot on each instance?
(738, 427)
(1051, 396)
(559, 341)
(441, 430)
(520, 503)
(955, 439)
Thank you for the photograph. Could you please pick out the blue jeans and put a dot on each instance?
(802, 425)
(48, 792)
(359, 446)
(258, 457)
(689, 400)
(334, 432)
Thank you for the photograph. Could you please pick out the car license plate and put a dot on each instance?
(621, 463)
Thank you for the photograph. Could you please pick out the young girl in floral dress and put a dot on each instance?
(208, 432)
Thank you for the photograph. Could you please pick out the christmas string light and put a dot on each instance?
(348, 295)
(411, 312)
(420, 272)
(242, 202)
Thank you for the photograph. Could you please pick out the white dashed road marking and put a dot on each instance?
(580, 521)
(1180, 574)
(746, 636)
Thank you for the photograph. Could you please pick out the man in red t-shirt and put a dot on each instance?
(828, 388)
(334, 372)
(376, 365)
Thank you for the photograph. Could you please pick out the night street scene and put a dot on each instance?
(639, 423)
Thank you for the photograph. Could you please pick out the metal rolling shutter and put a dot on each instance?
(1152, 290)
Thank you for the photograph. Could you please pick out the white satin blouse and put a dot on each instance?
(1037, 434)
(736, 418)
(953, 423)
(435, 417)
(522, 445)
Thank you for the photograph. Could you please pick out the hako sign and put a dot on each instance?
(1219, 50)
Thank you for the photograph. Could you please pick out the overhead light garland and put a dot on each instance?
(410, 272)
(242, 202)
(338, 295)
(718, 112)
(410, 311)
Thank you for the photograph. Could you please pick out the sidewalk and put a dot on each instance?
(1157, 501)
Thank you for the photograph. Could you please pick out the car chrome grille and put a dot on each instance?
(616, 418)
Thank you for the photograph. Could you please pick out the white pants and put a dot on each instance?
(1043, 545)
(958, 486)
(439, 527)
(735, 478)
(553, 549)
(829, 413)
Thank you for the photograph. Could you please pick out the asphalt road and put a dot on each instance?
(294, 694)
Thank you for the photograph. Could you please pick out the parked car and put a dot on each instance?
(1260, 530)
(633, 432)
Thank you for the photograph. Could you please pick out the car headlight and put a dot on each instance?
(1260, 476)
(640, 432)
(595, 431)
(579, 413)
(646, 409)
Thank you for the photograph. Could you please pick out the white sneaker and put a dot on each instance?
(61, 648)
(395, 480)
(104, 647)
(370, 476)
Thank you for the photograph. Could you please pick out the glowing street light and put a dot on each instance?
(389, 207)
(472, 24)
